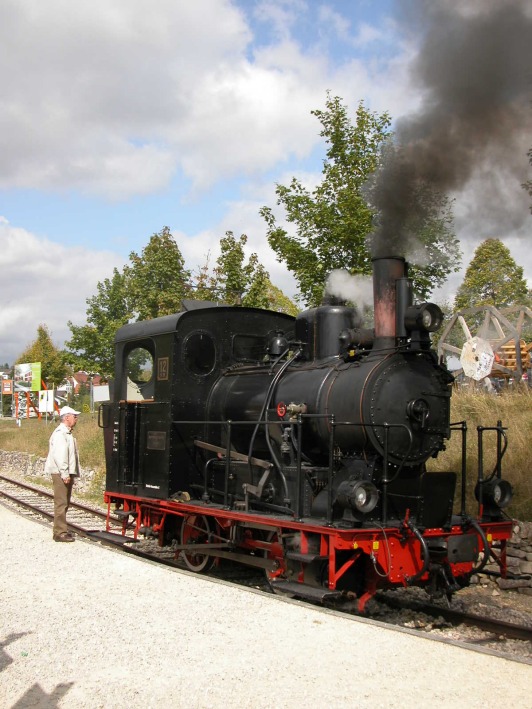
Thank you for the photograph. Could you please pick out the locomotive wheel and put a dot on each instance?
(197, 529)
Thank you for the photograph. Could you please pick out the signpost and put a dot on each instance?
(27, 380)
(6, 387)
(46, 402)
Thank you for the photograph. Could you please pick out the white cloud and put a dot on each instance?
(280, 15)
(368, 34)
(46, 283)
(114, 98)
(97, 92)
(334, 21)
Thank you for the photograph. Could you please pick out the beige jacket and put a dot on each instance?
(63, 455)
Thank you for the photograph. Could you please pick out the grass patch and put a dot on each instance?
(97, 488)
(33, 435)
(514, 409)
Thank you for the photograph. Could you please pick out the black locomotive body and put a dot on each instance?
(298, 445)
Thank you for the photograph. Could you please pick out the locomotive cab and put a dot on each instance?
(165, 370)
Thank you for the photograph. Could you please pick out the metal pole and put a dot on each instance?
(227, 464)
(385, 477)
(499, 448)
(330, 471)
(480, 430)
(464, 465)
(299, 475)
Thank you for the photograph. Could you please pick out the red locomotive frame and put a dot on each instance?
(390, 556)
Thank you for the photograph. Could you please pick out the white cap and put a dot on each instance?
(68, 410)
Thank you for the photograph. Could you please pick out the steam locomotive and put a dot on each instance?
(299, 446)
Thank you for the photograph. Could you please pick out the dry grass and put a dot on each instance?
(513, 408)
(32, 437)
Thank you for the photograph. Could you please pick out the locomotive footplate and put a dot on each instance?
(303, 590)
(102, 536)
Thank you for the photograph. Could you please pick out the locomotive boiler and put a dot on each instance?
(299, 445)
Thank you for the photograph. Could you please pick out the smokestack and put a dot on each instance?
(386, 273)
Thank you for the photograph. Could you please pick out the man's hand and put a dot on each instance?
(66, 480)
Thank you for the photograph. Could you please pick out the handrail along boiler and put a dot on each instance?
(299, 445)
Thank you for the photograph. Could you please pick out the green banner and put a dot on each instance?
(28, 376)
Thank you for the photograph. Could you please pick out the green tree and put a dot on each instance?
(333, 221)
(232, 275)
(154, 284)
(157, 280)
(492, 278)
(263, 294)
(235, 281)
(273, 296)
(42, 349)
(258, 294)
(92, 345)
(205, 282)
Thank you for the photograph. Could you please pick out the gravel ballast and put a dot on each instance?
(84, 626)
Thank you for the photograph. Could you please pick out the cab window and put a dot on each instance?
(199, 353)
(139, 371)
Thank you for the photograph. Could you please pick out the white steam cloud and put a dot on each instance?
(355, 289)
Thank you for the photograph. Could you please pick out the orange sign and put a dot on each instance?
(7, 386)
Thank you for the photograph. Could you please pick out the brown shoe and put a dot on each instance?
(64, 537)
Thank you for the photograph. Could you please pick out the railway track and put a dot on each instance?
(494, 628)
(83, 519)
(89, 522)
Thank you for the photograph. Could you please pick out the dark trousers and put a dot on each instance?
(62, 493)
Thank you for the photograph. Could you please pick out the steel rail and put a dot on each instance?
(48, 495)
(456, 617)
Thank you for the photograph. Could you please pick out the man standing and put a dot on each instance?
(62, 464)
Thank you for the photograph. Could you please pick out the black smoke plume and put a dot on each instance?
(474, 69)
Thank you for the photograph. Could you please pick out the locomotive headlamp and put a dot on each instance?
(495, 492)
(426, 317)
(359, 495)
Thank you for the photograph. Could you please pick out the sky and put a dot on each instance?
(119, 118)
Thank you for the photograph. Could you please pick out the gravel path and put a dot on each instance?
(83, 626)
